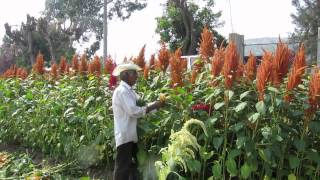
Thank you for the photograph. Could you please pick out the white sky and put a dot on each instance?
(251, 18)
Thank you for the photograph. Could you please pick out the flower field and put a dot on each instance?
(222, 119)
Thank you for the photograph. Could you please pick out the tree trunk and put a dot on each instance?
(53, 57)
(29, 39)
(189, 40)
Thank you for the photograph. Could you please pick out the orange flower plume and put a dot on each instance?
(176, 68)
(83, 68)
(250, 69)
(264, 74)
(206, 45)
(108, 65)
(163, 58)
(38, 67)
(280, 64)
(152, 62)
(140, 60)
(230, 64)
(146, 72)
(217, 62)
(95, 66)
(296, 73)
(54, 71)
(63, 65)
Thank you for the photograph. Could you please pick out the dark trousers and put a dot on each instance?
(126, 162)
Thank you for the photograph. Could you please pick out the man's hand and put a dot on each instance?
(155, 105)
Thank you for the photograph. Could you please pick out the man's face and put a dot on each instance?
(132, 77)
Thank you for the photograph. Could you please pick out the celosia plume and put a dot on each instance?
(230, 64)
(206, 45)
(38, 67)
(22, 73)
(63, 65)
(146, 72)
(280, 64)
(109, 65)
(240, 70)
(83, 68)
(140, 60)
(250, 69)
(54, 71)
(264, 73)
(163, 58)
(217, 62)
(152, 62)
(176, 68)
(297, 71)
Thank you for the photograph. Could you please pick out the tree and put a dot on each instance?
(182, 22)
(79, 19)
(36, 36)
(307, 21)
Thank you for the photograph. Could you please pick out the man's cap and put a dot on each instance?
(125, 67)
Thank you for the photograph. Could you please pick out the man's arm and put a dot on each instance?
(154, 105)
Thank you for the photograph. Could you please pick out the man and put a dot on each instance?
(126, 112)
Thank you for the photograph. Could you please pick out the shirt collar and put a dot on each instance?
(123, 83)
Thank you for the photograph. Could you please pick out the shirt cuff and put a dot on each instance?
(144, 110)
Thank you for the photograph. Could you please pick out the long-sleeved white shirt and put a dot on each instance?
(125, 112)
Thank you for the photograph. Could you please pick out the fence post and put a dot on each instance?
(239, 41)
(318, 47)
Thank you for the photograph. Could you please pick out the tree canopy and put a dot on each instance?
(182, 22)
(307, 21)
(62, 23)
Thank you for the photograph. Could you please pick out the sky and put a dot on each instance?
(251, 18)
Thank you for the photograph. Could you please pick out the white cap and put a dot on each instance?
(125, 67)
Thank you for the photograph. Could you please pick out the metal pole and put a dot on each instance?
(105, 30)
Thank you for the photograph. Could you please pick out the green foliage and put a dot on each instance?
(173, 25)
(181, 151)
(307, 20)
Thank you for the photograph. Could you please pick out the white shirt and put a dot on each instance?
(126, 113)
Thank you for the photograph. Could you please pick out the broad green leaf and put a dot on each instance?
(216, 170)
(272, 89)
(314, 127)
(266, 132)
(237, 127)
(217, 141)
(263, 155)
(245, 171)
(234, 153)
(240, 106)
(245, 94)
(204, 154)
(254, 117)
(87, 102)
(81, 138)
(229, 94)
(292, 177)
(232, 167)
(29, 95)
(294, 162)
(299, 144)
(241, 141)
(218, 105)
(212, 120)
(194, 165)
(261, 107)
